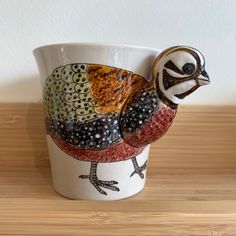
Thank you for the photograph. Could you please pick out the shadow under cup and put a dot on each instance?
(85, 91)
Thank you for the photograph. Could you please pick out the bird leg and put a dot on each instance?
(99, 183)
(138, 169)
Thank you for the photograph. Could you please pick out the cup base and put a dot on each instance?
(95, 198)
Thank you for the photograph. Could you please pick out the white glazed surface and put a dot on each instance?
(66, 169)
(133, 58)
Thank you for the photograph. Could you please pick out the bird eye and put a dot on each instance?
(188, 68)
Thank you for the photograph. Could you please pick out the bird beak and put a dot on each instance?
(203, 78)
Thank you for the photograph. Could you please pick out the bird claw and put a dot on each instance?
(101, 183)
(139, 169)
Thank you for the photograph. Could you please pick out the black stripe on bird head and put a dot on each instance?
(170, 81)
(170, 65)
(193, 52)
(189, 69)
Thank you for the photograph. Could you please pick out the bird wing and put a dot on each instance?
(111, 87)
(67, 94)
(83, 103)
(81, 92)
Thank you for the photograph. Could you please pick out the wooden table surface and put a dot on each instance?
(190, 189)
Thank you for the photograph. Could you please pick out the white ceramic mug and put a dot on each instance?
(104, 106)
(68, 171)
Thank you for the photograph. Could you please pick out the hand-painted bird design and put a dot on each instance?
(103, 114)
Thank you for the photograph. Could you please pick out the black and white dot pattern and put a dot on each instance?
(139, 110)
(57, 73)
(67, 94)
(95, 135)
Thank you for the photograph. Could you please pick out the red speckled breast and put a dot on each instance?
(117, 152)
(154, 128)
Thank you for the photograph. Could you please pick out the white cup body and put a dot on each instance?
(67, 169)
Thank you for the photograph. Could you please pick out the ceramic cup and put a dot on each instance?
(104, 104)
(85, 87)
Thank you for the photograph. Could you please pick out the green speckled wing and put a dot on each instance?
(67, 94)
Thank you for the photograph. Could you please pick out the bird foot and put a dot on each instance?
(138, 169)
(99, 183)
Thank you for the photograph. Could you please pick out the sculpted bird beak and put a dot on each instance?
(203, 78)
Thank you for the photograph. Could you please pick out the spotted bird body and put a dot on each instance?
(101, 113)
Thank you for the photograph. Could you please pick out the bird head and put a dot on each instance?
(179, 71)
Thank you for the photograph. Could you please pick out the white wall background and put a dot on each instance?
(209, 25)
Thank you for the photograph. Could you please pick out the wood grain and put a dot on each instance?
(190, 190)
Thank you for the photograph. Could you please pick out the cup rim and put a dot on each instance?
(99, 44)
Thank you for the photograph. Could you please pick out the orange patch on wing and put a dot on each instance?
(111, 86)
